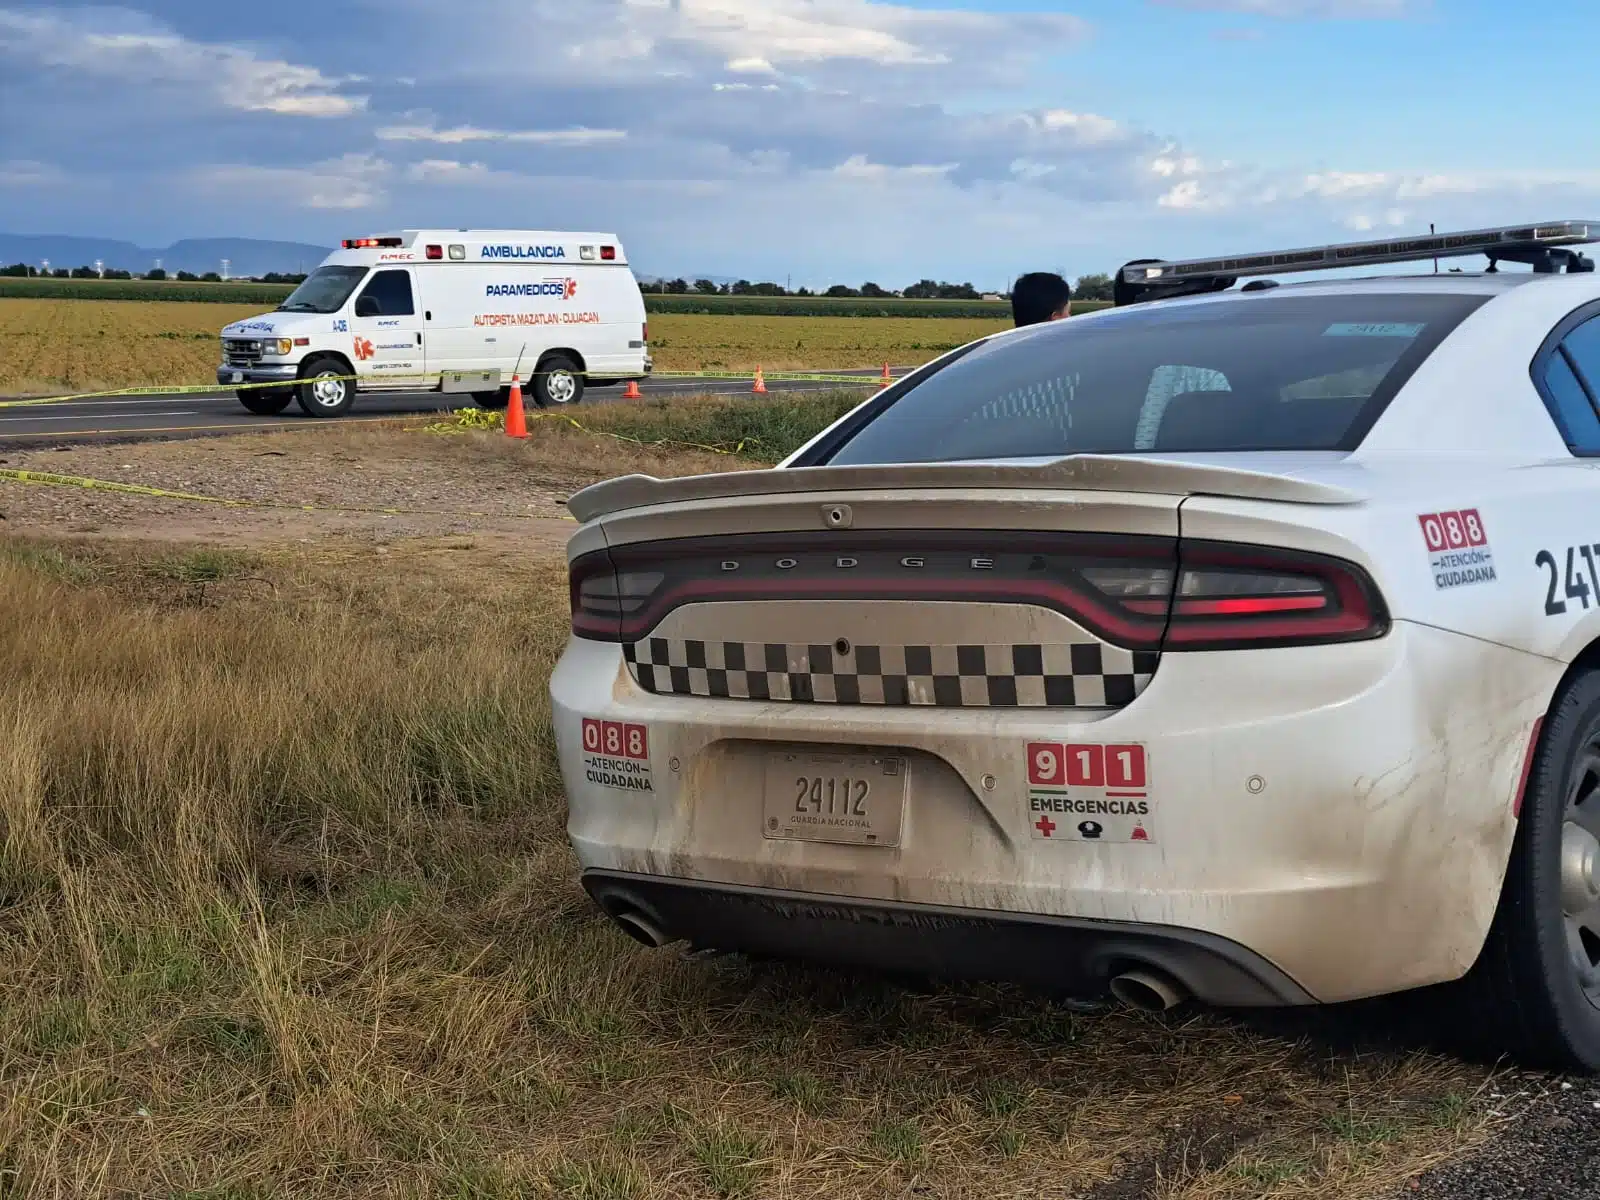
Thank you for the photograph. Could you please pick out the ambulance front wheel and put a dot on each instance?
(326, 389)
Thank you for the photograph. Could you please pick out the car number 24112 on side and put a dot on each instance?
(1580, 563)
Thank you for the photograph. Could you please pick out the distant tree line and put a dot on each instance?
(156, 274)
(1088, 287)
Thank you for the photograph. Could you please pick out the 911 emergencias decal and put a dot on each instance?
(617, 755)
(1458, 548)
(1088, 792)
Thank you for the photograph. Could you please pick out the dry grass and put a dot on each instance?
(75, 345)
(286, 909)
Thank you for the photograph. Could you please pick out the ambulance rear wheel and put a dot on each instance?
(558, 382)
(492, 400)
(326, 389)
(266, 402)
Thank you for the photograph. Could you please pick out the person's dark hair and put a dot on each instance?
(1038, 296)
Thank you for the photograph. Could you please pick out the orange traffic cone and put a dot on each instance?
(633, 391)
(885, 381)
(760, 388)
(516, 423)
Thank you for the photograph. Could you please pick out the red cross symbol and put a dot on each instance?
(1045, 826)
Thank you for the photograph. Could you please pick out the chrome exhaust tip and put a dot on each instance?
(1148, 991)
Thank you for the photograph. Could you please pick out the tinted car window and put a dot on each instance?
(1583, 345)
(1573, 410)
(392, 291)
(1267, 372)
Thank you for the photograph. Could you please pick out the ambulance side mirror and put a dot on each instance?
(368, 306)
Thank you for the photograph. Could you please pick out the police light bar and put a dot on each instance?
(371, 242)
(1513, 238)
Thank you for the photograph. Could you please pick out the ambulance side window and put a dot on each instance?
(392, 292)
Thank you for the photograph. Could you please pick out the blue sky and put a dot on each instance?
(825, 140)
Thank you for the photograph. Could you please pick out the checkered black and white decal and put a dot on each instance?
(1061, 675)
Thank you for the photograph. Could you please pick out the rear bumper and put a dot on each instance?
(269, 373)
(1052, 954)
(1343, 813)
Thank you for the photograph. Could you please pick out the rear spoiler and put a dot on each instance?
(1089, 472)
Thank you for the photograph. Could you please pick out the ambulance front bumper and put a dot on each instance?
(258, 373)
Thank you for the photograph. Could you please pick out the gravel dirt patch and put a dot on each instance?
(1547, 1148)
(302, 485)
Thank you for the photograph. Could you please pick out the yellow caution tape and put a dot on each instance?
(423, 382)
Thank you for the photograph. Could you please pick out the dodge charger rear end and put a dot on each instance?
(1105, 655)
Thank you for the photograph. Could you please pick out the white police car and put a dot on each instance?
(1240, 644)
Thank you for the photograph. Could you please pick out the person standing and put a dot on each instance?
(1040, 296)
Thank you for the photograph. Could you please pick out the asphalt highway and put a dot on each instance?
(135, 418)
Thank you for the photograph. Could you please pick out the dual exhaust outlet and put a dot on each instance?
(1143, 988)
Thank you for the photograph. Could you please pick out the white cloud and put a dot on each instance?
(129, 48)
(352, 181)
(1312, 9)
(623, 39)
(449, 171)
(858, 167)
(1184, 195)
(1344, 183)
(26, 173)
(468, 133)
(1088, 127)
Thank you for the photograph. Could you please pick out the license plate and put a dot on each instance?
(856, 799)
(237, 377)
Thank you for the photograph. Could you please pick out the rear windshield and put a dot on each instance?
(324, 291)
(1267, 372)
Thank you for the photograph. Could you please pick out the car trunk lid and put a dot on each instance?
(965, 586)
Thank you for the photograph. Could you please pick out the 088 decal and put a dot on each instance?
(1570, 583)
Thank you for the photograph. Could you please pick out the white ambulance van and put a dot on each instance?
(446, 310)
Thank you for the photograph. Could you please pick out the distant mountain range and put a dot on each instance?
(246, 256)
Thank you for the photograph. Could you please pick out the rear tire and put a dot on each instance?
(326, 389)
(493, 401)
(557, 383)
(1535, 989)
(266, 402)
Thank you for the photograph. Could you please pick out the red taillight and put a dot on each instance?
(1141, 593)
(645, 335)
(1231, 596)
(435, 252)
(608, 253)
